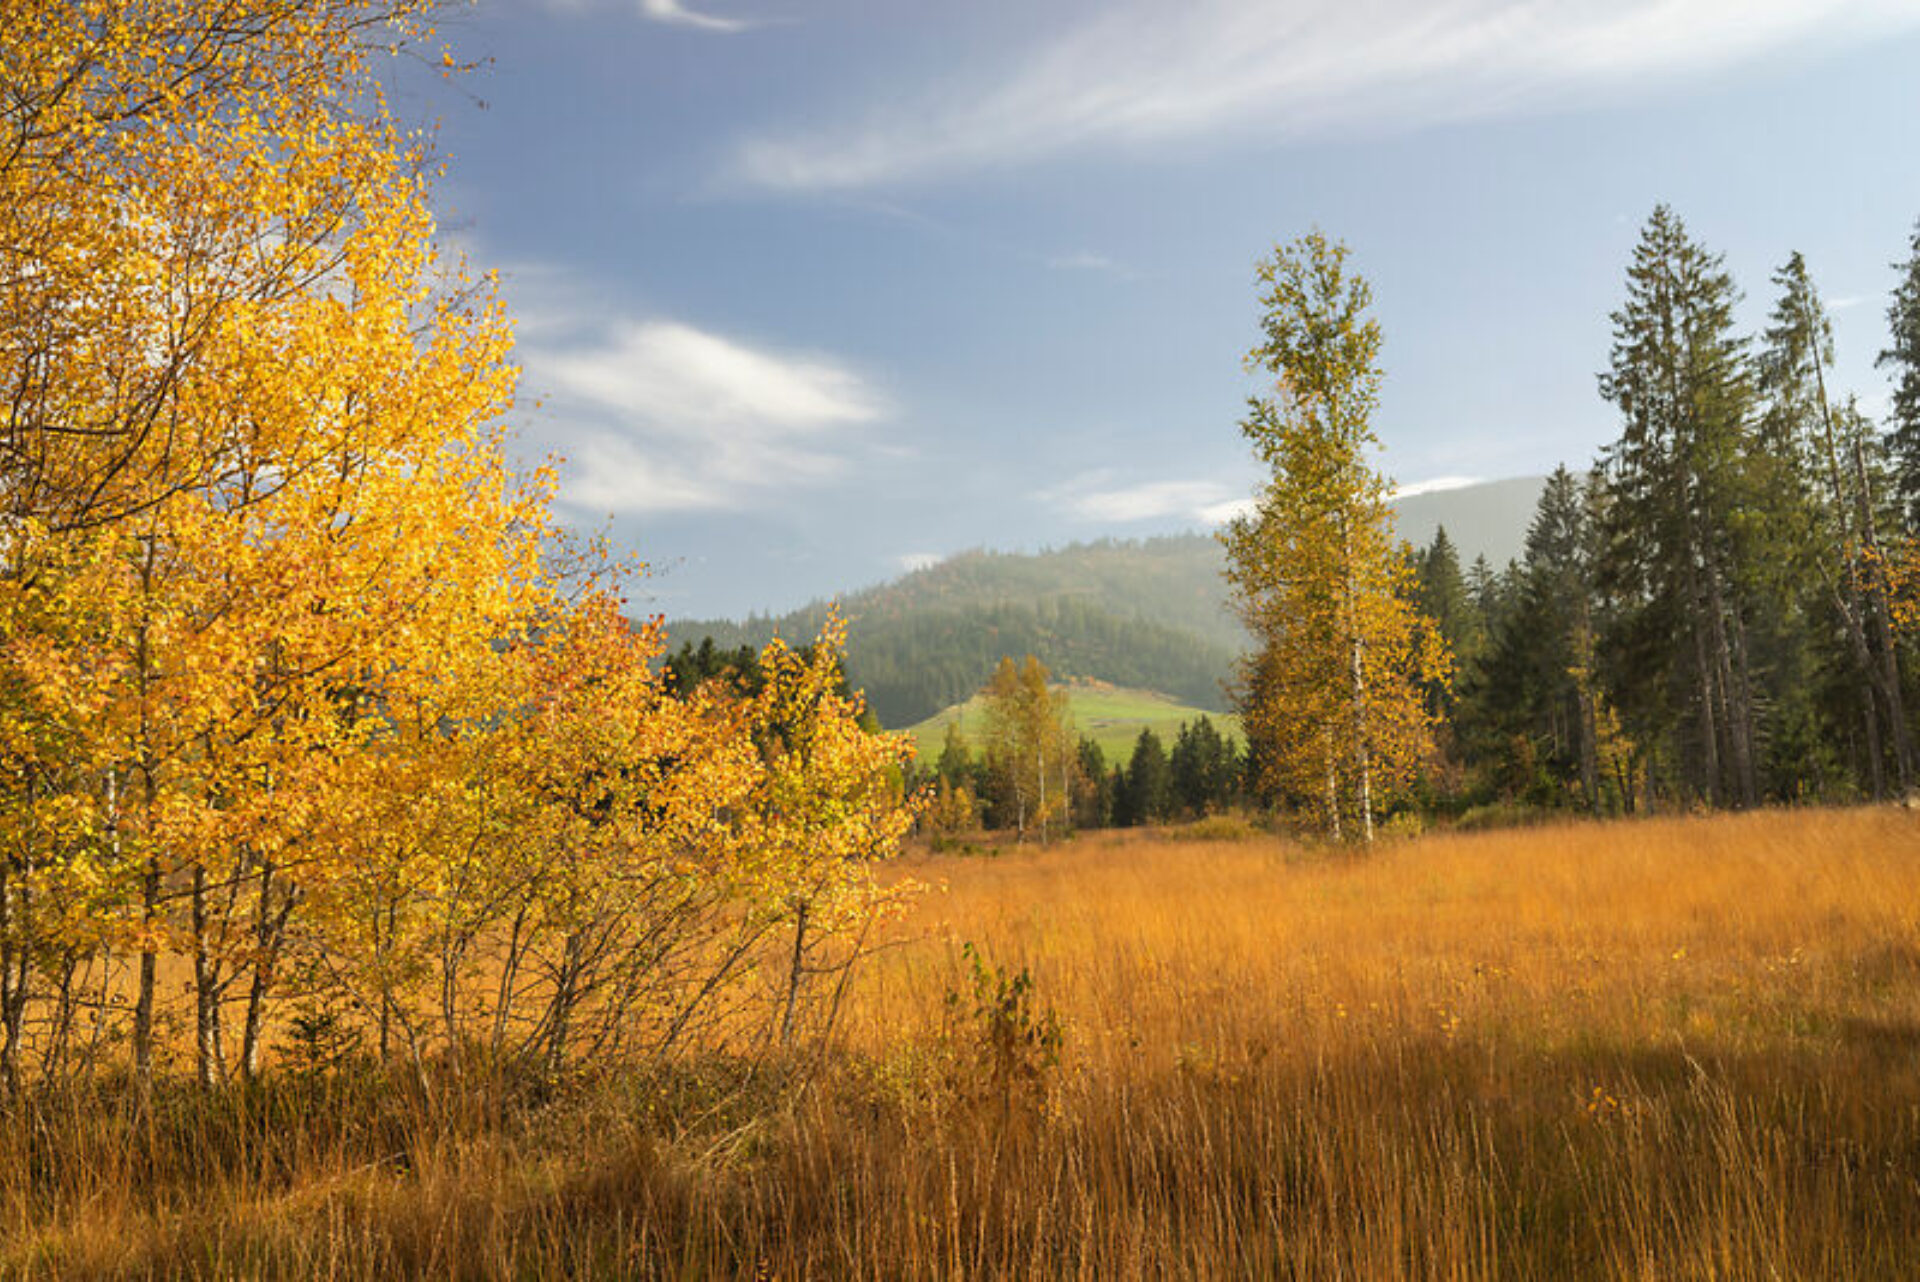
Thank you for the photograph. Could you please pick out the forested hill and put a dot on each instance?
(1144, 614)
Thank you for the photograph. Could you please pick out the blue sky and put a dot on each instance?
(810, 292)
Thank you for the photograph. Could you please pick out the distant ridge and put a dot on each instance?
(1143, 614)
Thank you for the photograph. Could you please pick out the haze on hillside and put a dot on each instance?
(1140, 614)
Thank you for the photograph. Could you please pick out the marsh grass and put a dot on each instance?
(1672, 1048)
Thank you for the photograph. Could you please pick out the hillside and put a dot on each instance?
(1111, 717)
(1146, 614)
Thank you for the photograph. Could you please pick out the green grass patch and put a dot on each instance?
(1110, 716)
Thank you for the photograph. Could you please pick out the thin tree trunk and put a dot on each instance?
(1333, 789)
(206, 996)
(1362, 761)
(1703, 671)
(270, 931)
(793, 974)
(1883, 631)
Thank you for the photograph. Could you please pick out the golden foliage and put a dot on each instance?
(1332, 698)
(292, 689)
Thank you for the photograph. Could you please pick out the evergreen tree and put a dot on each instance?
(1819, 541)
(1902, 358)
(1149, 787)
(1673, 555)
(1203, 767)
(1443, 596)
(1531, 707)
(956, 757)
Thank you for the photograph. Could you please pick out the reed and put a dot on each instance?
(1671, 1048)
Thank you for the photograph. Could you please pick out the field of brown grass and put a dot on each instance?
(1678, 1048)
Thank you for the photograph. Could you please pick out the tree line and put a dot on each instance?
(1712, 613)
(1717, 613)
(1034, 774)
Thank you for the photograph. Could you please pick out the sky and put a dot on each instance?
(812, 292)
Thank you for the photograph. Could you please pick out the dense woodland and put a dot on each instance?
(1139, 614)
(1710, 615)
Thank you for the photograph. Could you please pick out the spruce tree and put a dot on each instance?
(1819, 538)
(1902, 358)
(1675, 479)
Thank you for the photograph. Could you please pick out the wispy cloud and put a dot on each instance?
(1085, 261)
(1435, 485)
(1147, 73)
(661, 416)
(676, 14)
(912, 561)
(1099, 497)
(1094, 496)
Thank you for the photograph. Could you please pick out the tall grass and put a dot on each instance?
(1675, 1048)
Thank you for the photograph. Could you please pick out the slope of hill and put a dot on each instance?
(1146, 614)
(1111, 717)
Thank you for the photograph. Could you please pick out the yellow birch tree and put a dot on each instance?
(1331, 699)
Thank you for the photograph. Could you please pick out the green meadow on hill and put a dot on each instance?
(1111, 717)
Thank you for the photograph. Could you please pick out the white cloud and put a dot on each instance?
(1092, 496)
(1227, 510)
(689, 381)
(659, 416)
(912, 561)
(1435, 486)
(1084, 261)
(1095, 496)
(1147, 73)
(674, 13)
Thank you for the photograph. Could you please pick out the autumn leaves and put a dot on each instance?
(303, 700)
(1332, 696)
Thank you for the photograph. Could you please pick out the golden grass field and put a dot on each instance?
(1673, 1048)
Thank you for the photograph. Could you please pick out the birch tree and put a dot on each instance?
(1332, 699)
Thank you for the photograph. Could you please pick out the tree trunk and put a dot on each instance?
(1903, 761)
(794, 971)
(209, 1069)
(270, 930)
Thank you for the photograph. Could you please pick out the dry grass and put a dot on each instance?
(1675, 1048)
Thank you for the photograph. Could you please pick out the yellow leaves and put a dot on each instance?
(1332, 699)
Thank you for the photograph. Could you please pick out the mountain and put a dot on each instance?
(1144, 614)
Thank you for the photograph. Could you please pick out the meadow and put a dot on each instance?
(1110, 716)
(1671, 1048)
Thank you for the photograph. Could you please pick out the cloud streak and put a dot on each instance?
(1148, 74)
(658, 416)
(675, 14)
(1093, 497)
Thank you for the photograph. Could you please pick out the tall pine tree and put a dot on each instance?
(1675, 480)
(1902, 358)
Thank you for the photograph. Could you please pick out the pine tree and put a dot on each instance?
(1902, 358)
(1674, 481)
(1150, 796)
(1820, 530)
